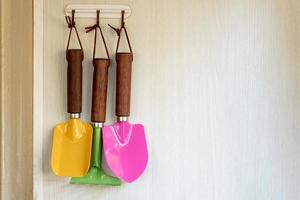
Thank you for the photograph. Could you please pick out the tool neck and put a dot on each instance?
(98, 124)
(96, 148)
(74, 115)
(122, 119)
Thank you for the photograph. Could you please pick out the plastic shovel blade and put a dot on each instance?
(71, 149)
(125, 150)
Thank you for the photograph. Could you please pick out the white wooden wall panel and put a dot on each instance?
(216, 84)
(16, 61)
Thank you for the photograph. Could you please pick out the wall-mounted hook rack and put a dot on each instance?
(89, 10)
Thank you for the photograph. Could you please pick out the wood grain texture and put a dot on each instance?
(74, 80)
(216, 84)
(123, 83)
(99, 93)
(16, 99)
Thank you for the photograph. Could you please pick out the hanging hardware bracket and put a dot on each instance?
(89, 10)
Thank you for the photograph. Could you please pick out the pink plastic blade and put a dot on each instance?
(125, 150)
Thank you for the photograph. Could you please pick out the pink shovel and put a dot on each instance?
(124, 144)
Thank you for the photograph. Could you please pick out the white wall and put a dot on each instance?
(216, 85)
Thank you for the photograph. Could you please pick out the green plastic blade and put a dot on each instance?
(96, 175)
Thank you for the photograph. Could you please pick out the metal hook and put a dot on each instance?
(73, 14)
(122, 19)
(98, 16)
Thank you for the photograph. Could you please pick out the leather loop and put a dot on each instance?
(71, 24)
(95, 27)
(119, 31)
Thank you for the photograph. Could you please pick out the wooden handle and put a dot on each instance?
(124, 65)
(99, 89)
(74, 58)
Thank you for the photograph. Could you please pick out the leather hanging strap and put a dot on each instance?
(100, 77)
(95, 27)
(71, 24)
(119, 30)
(74, 71)
(124, 68)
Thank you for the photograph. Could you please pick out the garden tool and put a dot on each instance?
(95, 174)
(72, 140)
(125, 147)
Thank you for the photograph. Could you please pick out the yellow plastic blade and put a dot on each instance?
(71, 149)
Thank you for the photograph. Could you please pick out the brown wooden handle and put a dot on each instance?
(124, 65)
(99, 89)
(74, 58)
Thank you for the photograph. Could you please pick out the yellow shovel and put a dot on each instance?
(72, 141)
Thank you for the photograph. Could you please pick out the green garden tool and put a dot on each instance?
(96, 175)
